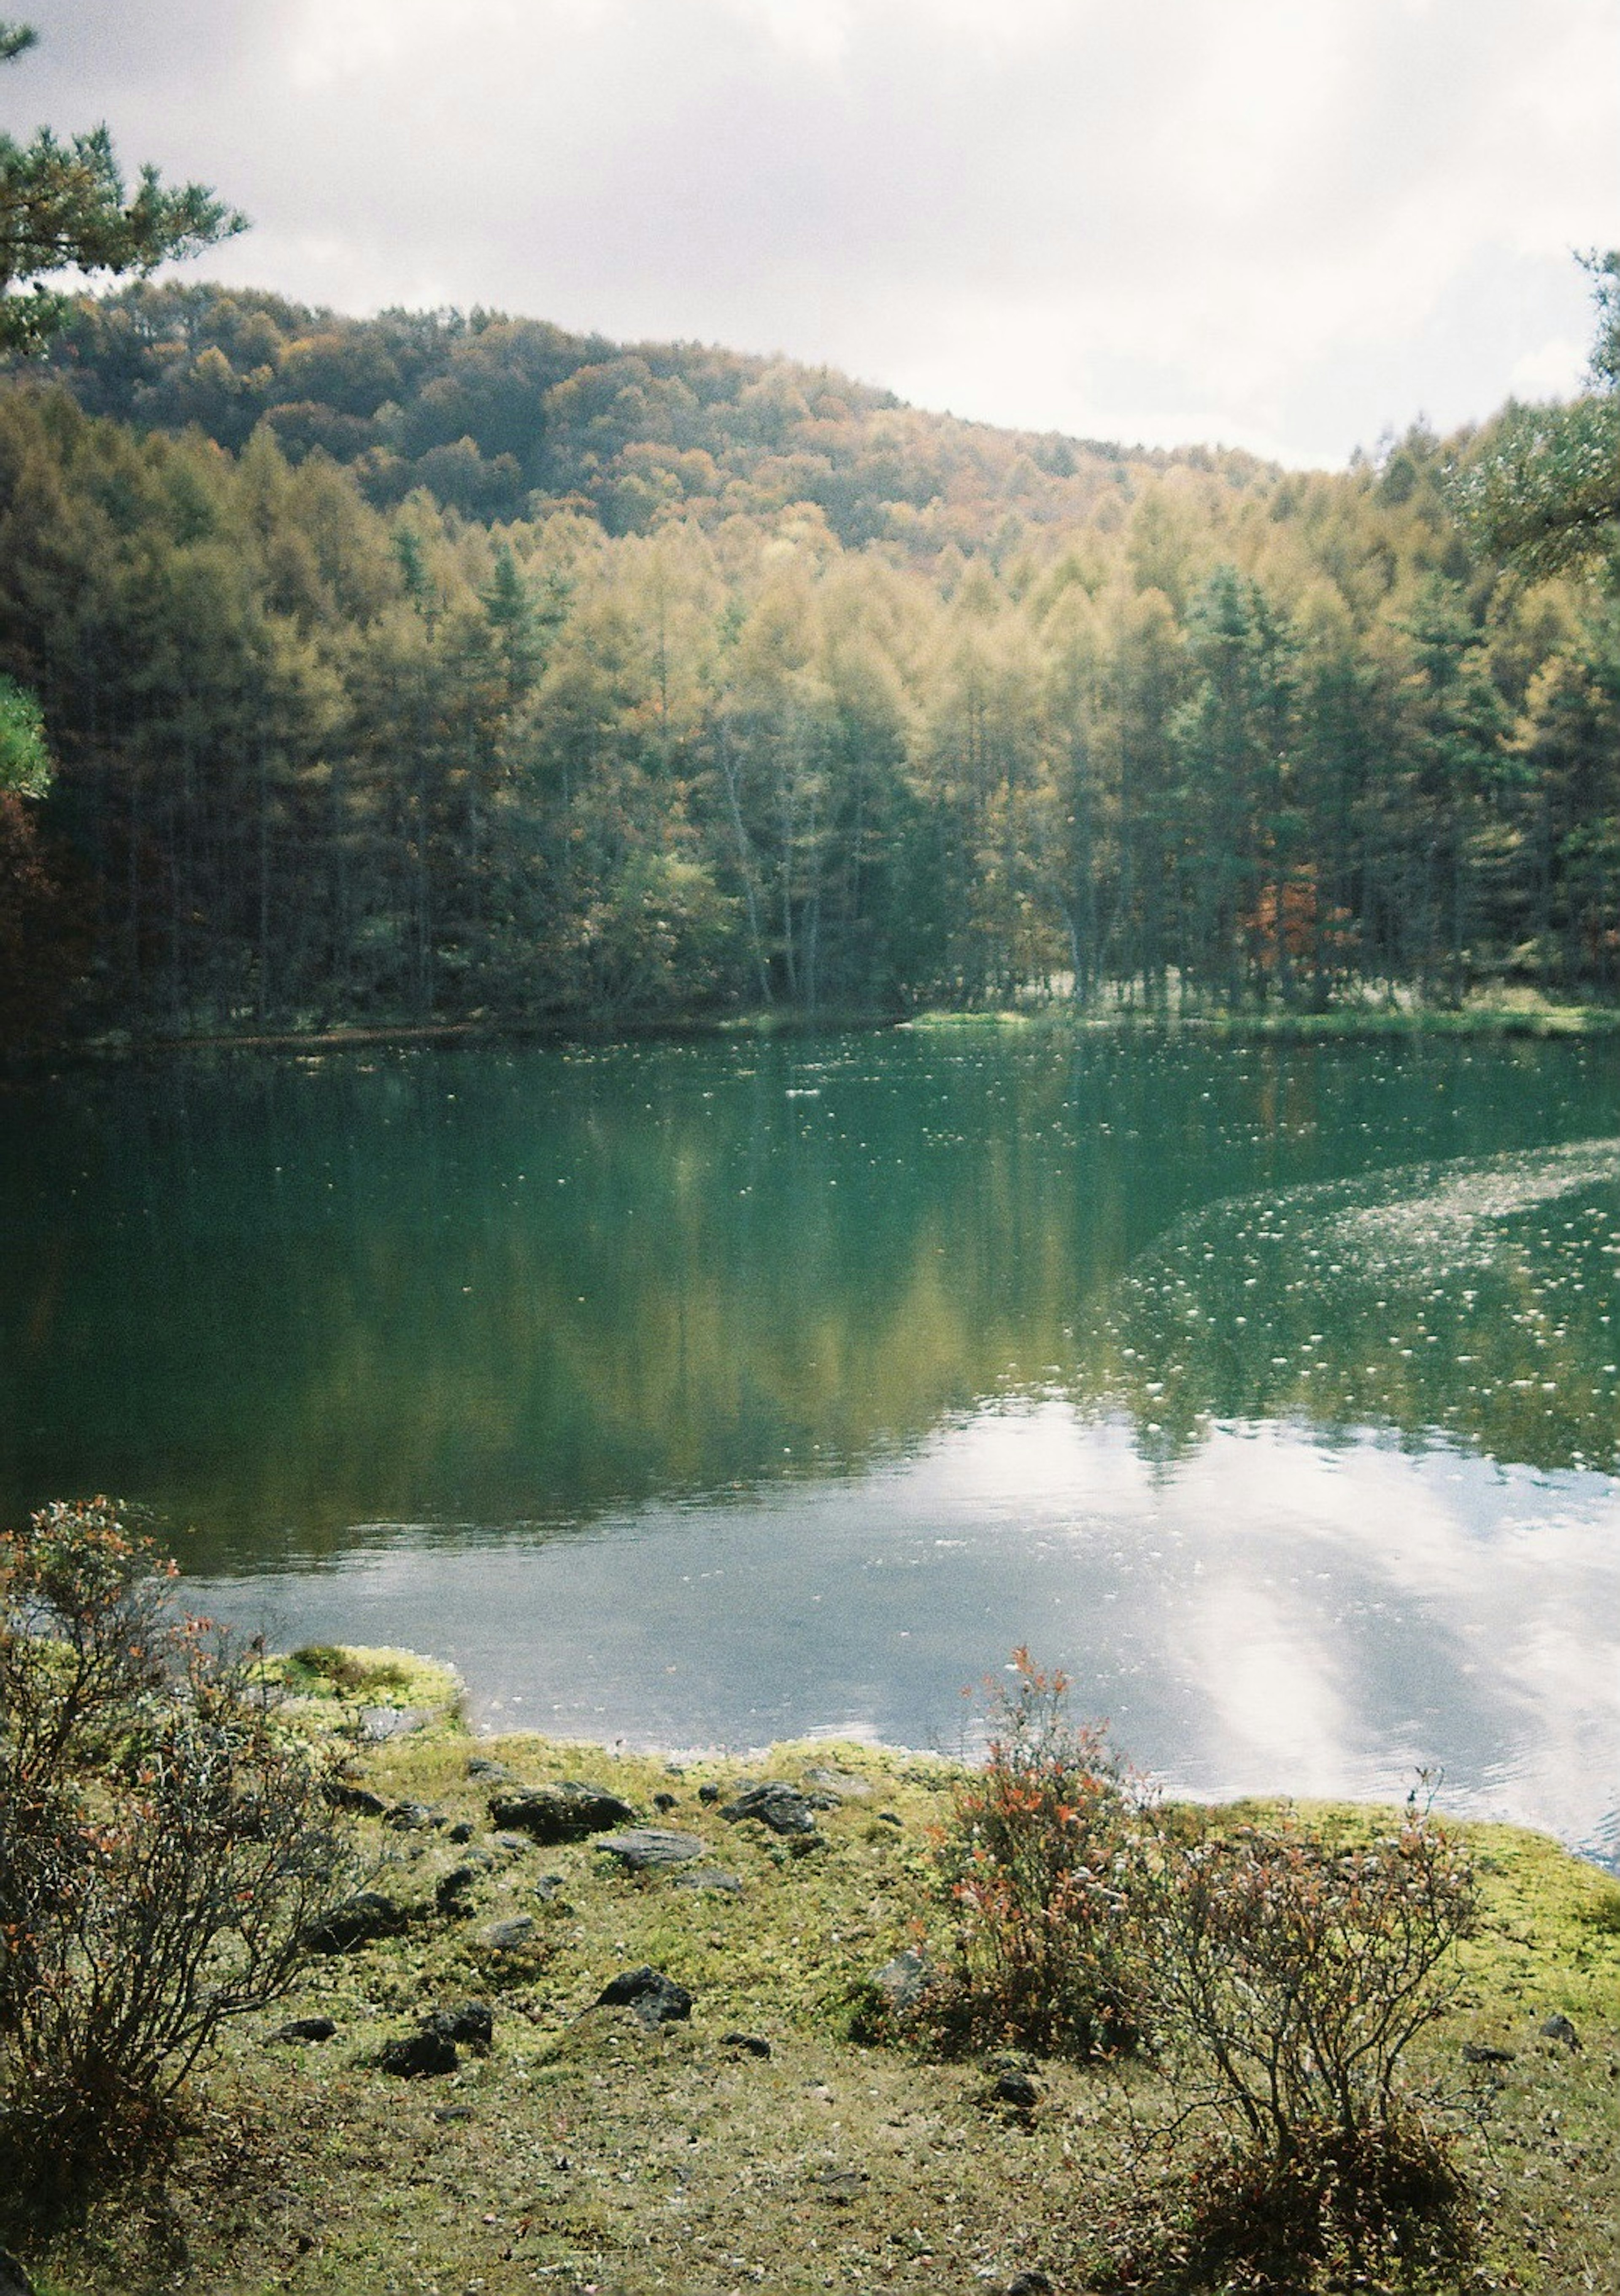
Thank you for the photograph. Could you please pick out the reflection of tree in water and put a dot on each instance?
(1478, 1297)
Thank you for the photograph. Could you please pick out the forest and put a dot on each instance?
(434, 668)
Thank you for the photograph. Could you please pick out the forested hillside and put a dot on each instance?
(419, 669)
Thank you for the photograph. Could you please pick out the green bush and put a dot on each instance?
(162, 1844)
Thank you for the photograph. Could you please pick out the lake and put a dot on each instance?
(710, 1393)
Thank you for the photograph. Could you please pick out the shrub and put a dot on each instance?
(1036, 1864)
(162, 1844)
(1290, 1974)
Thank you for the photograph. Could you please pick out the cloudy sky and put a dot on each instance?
(1288, 225)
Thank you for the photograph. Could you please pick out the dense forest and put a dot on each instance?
(427, 667)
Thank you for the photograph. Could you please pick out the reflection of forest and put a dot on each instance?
(278, 1299)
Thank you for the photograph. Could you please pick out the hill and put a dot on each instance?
(501, 418)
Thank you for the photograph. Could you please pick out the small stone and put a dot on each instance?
(650, 1997)
(453, 2112)
(710, 1880)
(890, 1817)
(507, 1936)
(356, 1922)
(1016, 2089)
(1033, 2283)
(904, 1980)
(341, 1795)
(514, 1843)
(1481, 2053)
(548, 1886)
(752, 2044)
(481, 1766)
(841, 2184)
(645, 1846)
(708, 1794)
(1559, 2028)
(773, 1803)
(568, 1812)
(463, 1831)
(843, 1785)
(410, 1817)
(418, 2056)
(664, 1801)
(453, 1888)
(469, 2021)
(304, 2028)
(374, 1725)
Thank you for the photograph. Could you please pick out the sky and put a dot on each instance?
(1293, 226)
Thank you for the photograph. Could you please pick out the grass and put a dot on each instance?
(586, 2156)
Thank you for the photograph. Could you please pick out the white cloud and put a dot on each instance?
(1281, 226)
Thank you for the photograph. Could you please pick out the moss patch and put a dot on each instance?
(583, 2153)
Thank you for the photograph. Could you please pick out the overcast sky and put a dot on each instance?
(1288, 224)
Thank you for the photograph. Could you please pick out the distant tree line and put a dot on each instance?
(333, 742)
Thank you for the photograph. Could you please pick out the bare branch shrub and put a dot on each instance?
(1290, 1973)
(163, 1842)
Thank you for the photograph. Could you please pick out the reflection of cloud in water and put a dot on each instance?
(1443, 1221)
(1269, 1615)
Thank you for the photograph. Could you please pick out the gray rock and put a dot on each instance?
(1559, 2028)
(482, 1766)
(903, 1982)
(418, 2056)
(463, 1831)
(360, 1799)
(650, 1845)
(506, 1937)
(1016, 2089)
(568, 1812)
(412, 1817)
(708, 1794)
(841, 2184)
(356, 1922)
(514, 1843)
(843, 1785)
(454, 1888)
(469, 2022)
(1033, 2283)
(710, 1880)
(374, 1725)
(304, 2028)
(1481, 2053)
(650, 1997)
(773, 1803)
(453, 2112)
(752, 2044)
(548, 1887)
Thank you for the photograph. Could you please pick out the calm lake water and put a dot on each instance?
(718, 1393)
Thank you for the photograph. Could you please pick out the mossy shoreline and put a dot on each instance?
(759, 2142)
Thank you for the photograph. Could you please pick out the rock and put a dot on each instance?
(709, 1879)
(548, 1886)
(1033, 2283)
(453, 2112)
(1480, 2053)
(14, 2280)
(341, 1795)
(645, 1846)
(356, 1922)
(304, 2028)
(506, 1937)
(514, 1843)
(752, 2044)
(412, 1817)
(664, 1801)
(708, 1794)
(841, 2184)
(469, 2021)
(1558, 2028)
(453, 1889)
(419, 2056)
(843, 1785)
(890, 1817)
(568, 1812)
(903, 1982)
(463, 1831)
(773, 1803)
(1016, 2089)
(650, 1997)
(374, 1725)
(480, 1766)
